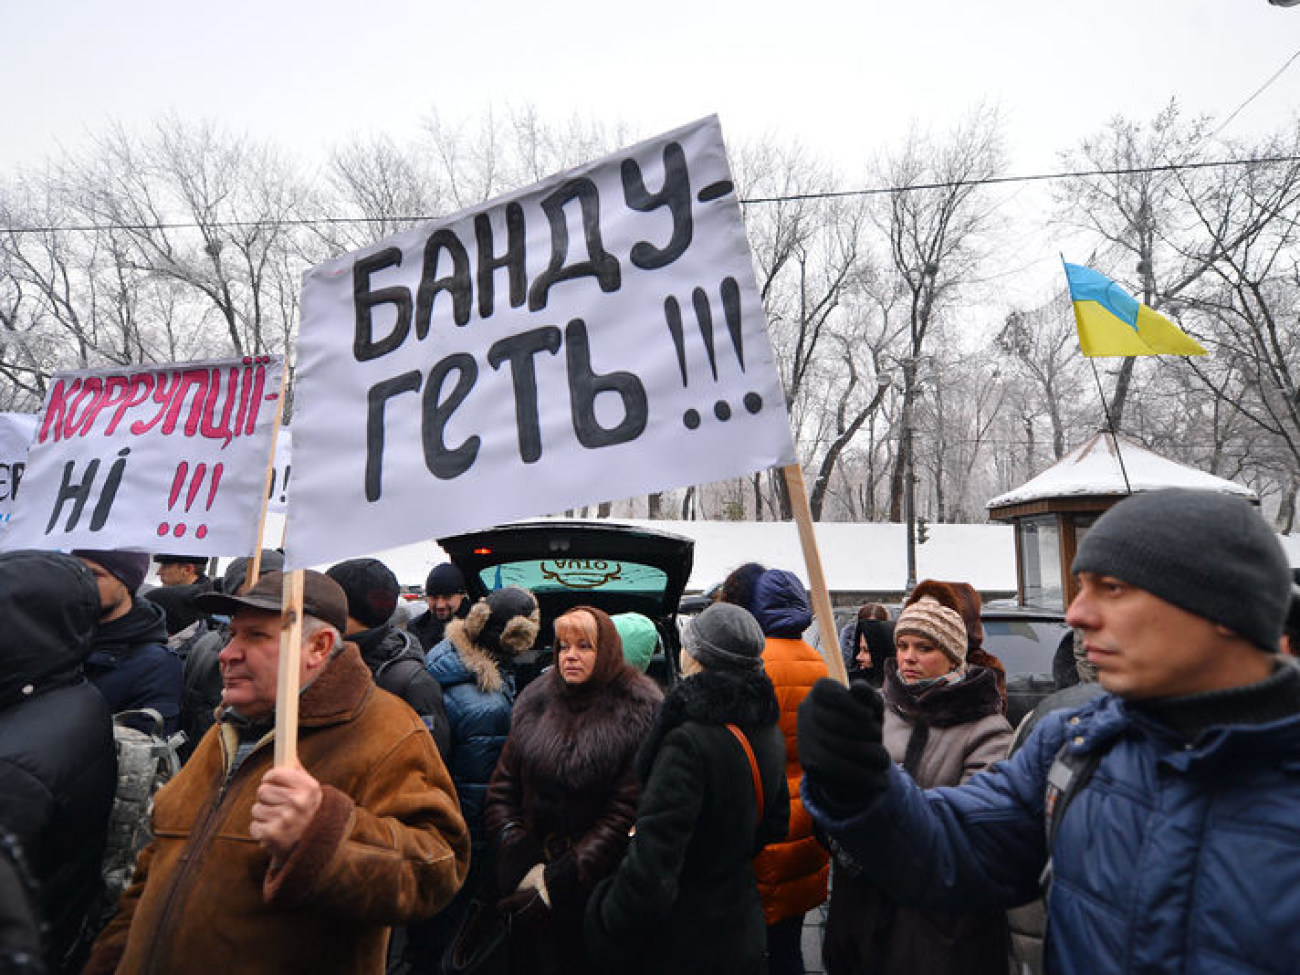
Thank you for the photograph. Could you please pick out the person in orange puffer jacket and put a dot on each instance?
(792, 874)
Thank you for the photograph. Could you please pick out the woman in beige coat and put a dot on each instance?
(943, 723)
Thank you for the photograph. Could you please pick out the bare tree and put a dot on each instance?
(936, 222)
(1040, 346)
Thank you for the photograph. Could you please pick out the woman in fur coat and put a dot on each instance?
(685, 899)
(564, 793)
(943, 723)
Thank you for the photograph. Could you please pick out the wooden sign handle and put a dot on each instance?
(821, 597)
(286, 692)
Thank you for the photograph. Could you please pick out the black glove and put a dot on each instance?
(840, 746)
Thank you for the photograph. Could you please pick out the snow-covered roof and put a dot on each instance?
(856, 557)
(1093, 470)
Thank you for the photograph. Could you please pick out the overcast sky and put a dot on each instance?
(843, 78)
(840, 76)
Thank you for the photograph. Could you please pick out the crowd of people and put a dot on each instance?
(444, 810)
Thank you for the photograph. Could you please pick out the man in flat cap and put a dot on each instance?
(304, 868)
(184, 578)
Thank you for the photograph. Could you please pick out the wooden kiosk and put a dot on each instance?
(1053, 511)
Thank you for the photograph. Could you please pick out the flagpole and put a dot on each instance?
(1110, 423)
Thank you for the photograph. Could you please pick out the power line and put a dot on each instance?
(1258, 91)
(1037, 177)
(792, 197)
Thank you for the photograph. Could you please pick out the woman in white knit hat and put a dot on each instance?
(943, 723)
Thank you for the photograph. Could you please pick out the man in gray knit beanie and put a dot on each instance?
(1205, 586)
(1168, 805)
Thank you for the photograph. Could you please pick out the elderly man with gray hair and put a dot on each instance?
(304, 867)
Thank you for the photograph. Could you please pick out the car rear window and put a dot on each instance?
(1023, 646)
(576, 575)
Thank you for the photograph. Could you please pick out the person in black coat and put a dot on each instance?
(394, 657)
(183, 581)
(684, 900)
(444, 592)
(131, 664)
(58, 767)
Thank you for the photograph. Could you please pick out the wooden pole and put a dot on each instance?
(286, 692)
(821, 597)
(255, 564)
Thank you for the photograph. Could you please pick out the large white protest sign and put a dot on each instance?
(277, 497)
(593, 337)
(158, 458)
(16, 432)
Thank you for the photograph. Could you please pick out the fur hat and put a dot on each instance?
(128, 568)
(371, 589)
(1208, 553)
(505, 624)
(726, 637)
(933, 612)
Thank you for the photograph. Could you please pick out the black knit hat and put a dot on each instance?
(128, 568)
(726, 637)
(199, 562)
(371, 588)
(444, 580)
(1208, 553)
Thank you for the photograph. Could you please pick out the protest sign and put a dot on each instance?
(277, 499)
(159, 458)
(596, 336)
(16, 432)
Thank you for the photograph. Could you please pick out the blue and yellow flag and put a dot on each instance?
(1113, 322)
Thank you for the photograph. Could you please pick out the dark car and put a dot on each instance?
(614, 567)
(1036, 648)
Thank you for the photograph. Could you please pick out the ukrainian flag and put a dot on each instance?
(1113, 322)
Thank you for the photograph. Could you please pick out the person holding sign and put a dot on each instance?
(303, 867)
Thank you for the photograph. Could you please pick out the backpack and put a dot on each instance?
(146, 760)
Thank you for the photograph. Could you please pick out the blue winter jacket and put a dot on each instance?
(479, 696)
(132, 666)
(1176, 857)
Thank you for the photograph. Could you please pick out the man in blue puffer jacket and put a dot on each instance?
(1181, 852)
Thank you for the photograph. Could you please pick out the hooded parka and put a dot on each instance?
(58, 767)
